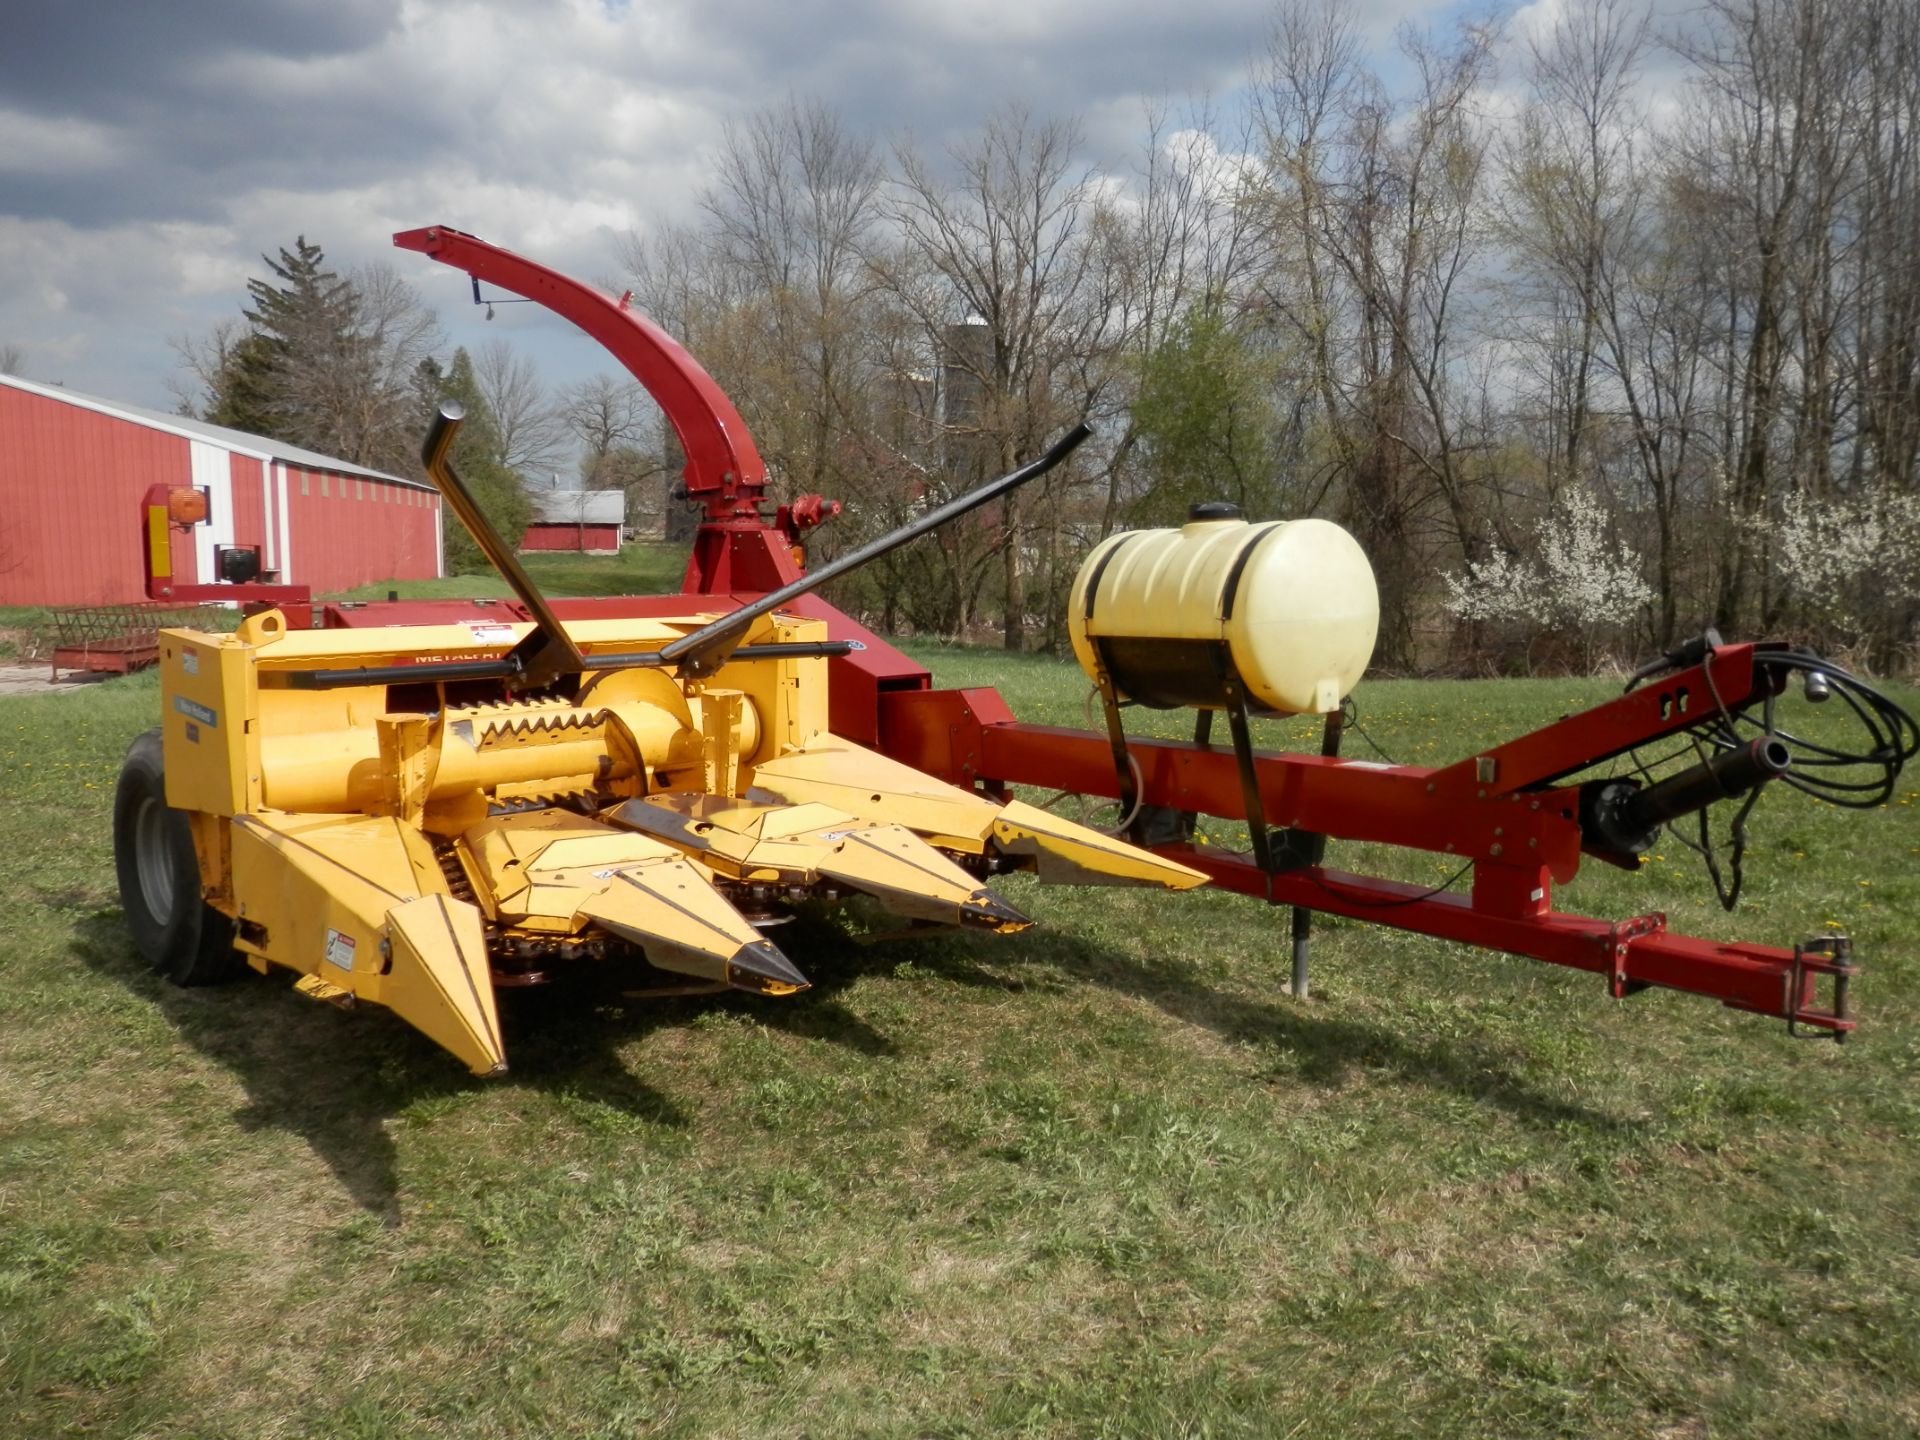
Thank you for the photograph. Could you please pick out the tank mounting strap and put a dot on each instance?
(1257, 832)
(1123, 769)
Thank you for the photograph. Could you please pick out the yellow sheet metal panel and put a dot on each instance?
(670, 909)
(357, 904)
(159, 543)
(877, 789)
(1293, 601)
(1064, 853)
(207, 704)
(789, 696)
(911, 879)
(315, 891)
(811, 844)
(439, 982)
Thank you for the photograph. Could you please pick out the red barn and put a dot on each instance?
(74, 469)
(585, 520)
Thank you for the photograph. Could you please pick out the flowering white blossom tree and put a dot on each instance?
(1580, 580)
(1850, 558)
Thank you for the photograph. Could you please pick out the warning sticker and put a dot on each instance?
(339, 950)
(488, 632)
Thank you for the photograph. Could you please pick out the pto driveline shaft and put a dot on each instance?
(1725, 776)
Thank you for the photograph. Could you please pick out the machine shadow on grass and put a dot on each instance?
(1324, 1048)
(336, 1079)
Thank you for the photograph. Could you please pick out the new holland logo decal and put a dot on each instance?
(196, 711)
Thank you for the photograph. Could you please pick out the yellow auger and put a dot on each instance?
(413, 816)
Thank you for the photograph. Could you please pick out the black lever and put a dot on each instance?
(547, 651)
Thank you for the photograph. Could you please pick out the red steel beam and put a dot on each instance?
(1520, 842)
(1630, 954)
(1350, 799)
(1662, 707)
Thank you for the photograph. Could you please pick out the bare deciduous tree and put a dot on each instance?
(605, 413)
(1376, 222)
(1002, 248)
(532, 436)
(772, 292)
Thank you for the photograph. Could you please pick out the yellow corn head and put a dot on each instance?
(380, 812)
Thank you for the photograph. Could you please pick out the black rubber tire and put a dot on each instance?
(174, 929)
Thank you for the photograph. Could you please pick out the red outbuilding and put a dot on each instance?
(74, 471)
(585, 520)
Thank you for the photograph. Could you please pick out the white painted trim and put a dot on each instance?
(284, 555)
(439, 539)
(212, 469)
(268, 550)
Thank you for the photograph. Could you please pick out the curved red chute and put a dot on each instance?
(724, 470)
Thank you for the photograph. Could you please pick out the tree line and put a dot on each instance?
(1593, 338)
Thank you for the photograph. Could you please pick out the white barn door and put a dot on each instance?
(212, 474)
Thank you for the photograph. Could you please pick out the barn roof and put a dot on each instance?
(258, 447)
(579, 507)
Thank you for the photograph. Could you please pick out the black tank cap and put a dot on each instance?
(1214, 510)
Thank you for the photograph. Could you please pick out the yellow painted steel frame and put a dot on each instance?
(318, 814)
(390, 841)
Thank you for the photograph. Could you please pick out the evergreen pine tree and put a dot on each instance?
(243, 390)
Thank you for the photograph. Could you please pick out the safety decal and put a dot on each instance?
(340, 949)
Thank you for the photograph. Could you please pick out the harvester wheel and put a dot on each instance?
(181, 936)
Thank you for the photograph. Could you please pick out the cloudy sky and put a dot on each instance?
(152, 150)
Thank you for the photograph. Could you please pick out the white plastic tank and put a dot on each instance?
(1289, 605)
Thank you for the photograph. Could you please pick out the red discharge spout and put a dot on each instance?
(724, 470)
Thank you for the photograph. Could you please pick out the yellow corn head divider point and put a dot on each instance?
(418, 842)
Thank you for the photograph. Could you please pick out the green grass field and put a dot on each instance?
(639, 569)
(1102, 1178)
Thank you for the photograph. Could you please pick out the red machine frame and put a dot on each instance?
(1499, 811)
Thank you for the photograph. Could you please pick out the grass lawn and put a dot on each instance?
(1103, 1178)
(639, 569)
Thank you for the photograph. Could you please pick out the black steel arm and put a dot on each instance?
(702, 651)
(548, 652)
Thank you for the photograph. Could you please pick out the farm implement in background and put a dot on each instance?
(418, 804)
(119, 639)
